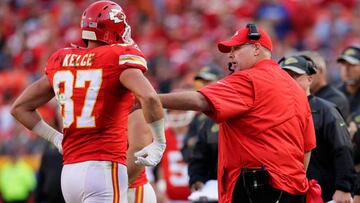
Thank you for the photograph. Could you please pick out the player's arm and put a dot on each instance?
(24, 110)
(135, 81)
(187, 100)
(139, 136)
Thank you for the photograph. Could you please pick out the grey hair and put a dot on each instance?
(315, 57)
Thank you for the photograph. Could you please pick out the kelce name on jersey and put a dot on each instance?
(78, 60)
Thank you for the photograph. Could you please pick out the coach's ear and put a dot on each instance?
(257, 49)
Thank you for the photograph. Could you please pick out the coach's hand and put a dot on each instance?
(151, 154)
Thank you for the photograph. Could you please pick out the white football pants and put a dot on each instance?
(94, 182)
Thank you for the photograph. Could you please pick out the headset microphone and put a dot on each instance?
(253, 34)
(232, 70)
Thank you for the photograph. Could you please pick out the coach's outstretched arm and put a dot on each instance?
(187, 100)
(134, 80)
(24, 110)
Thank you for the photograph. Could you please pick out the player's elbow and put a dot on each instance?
(15, 110)
(150, 99)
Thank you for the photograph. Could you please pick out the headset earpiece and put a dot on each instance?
(253, 33)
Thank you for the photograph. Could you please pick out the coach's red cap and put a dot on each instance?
(241, 37)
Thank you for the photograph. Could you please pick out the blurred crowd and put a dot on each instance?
(178, 38)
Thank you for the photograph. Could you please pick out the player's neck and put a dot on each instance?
(94, 44)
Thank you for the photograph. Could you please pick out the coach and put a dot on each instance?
(266, 129)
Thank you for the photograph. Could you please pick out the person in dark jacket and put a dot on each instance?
(350, 74)
(331, 162)
(203, 161)
(207, 75)
(48, 189)
(350, 70)
(321, 88)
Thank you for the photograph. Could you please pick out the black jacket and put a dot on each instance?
(354, 101)
(48, 189)
(337, 97)
(192, 136)
(203, 162)
(331, 161)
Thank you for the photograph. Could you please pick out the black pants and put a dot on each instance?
(265, 194)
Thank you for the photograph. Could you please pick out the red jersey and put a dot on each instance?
(265, 119)
(174, 168)
(94, 104)
(141, 180)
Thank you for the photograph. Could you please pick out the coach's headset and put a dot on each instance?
(310, 64)
(253, 34)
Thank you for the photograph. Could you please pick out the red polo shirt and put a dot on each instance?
(265, 119)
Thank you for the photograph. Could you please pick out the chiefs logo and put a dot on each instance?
(116, 15)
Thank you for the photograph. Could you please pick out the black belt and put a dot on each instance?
(253, 184)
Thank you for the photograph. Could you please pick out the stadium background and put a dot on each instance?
(178, 37)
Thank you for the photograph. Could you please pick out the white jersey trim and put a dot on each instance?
(132, 59)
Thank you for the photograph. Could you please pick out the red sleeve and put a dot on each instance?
(309, 135)
(229, 97)
(50, 67)
(131, 57)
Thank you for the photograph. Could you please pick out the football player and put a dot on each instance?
(173, 167)
(95, 87)
(139, 135)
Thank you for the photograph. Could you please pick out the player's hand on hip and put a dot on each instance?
(151, 154)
